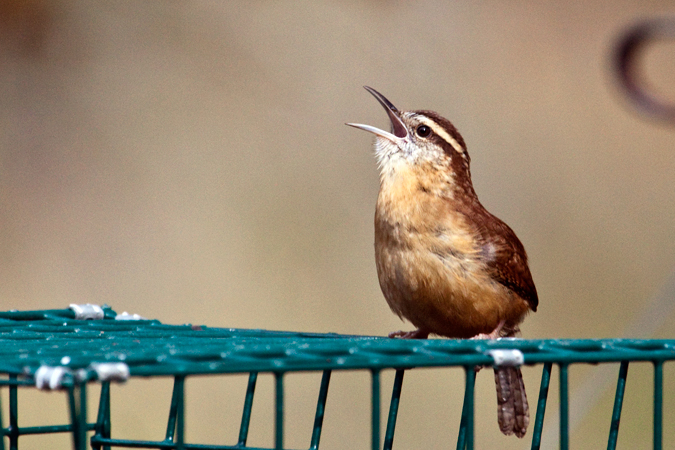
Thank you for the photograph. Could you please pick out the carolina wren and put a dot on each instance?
(443, 261)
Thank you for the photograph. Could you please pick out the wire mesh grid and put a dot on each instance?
(68, 349)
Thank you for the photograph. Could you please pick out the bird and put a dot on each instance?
(445, 263)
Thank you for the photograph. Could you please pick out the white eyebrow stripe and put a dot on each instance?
(442, 133)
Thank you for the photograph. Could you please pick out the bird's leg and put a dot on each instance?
(416, 334)
(495, 333)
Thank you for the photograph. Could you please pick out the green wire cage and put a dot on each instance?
(69, 349)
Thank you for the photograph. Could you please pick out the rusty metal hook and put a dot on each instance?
(631, 45)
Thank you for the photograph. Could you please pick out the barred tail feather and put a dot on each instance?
(513, 411)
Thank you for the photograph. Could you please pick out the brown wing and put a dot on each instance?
(506, 257)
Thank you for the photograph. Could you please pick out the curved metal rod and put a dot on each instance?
(631, 45)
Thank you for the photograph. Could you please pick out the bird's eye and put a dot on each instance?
(423, 131)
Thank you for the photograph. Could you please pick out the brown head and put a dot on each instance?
(420, 138)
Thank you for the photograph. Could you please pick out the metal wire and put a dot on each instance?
(618, 403)
(465, 438)
(541, 406)
(658, 405)
(393, 410)
(33, 340)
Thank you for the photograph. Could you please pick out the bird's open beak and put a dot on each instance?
(398, 130)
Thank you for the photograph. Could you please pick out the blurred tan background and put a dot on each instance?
(188, 161)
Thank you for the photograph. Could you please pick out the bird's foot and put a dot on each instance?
(416, 334)
(495, 333)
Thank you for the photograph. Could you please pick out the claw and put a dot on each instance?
(416, 334)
